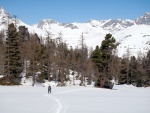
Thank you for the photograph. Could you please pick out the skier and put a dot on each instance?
(49, 89)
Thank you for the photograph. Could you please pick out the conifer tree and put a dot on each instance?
(1, 52)
(12, 56)
(35, 56)
(23, 41)
(103, 58)
(46, 60)
(123, 72)
(133, 70)
(96, 57)
(140, 72)
(147, 78)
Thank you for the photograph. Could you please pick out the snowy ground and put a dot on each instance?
(74, 99)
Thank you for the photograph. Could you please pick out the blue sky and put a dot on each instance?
(66, 11)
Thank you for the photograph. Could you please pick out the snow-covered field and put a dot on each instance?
(74, 99)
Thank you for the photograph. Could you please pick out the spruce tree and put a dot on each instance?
(96, 56)
(1, 53)
(24, 39)
(35, 56)
(133, 70)
(102, 59)
(147, 78)
(123, 72)
(12, 65)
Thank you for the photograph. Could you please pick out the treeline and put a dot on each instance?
(125, 70)
(53, 60)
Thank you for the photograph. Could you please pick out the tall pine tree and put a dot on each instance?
(12, 66)
(123, 72)
(102, 57)
(147, 78)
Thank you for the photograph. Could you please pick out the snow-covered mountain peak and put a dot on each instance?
(93, 21)
(70, 25)
(145, 19)
(129, 33)
(3, 12)
(6, 19)
(111, 24)
(147, 14)
(49, 21)
(46, 23)
(118, 24)
(97, 23)
(3, 15)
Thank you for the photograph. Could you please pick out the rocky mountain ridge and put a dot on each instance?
(132, 34)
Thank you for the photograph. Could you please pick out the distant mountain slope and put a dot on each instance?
(5, 19)
(132, 34)
(145, 19)
(136, 38)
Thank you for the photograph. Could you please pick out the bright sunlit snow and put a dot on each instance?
(128, 33)
(74, 99)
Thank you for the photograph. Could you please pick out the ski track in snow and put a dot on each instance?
(60, 105)
(72, 91)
